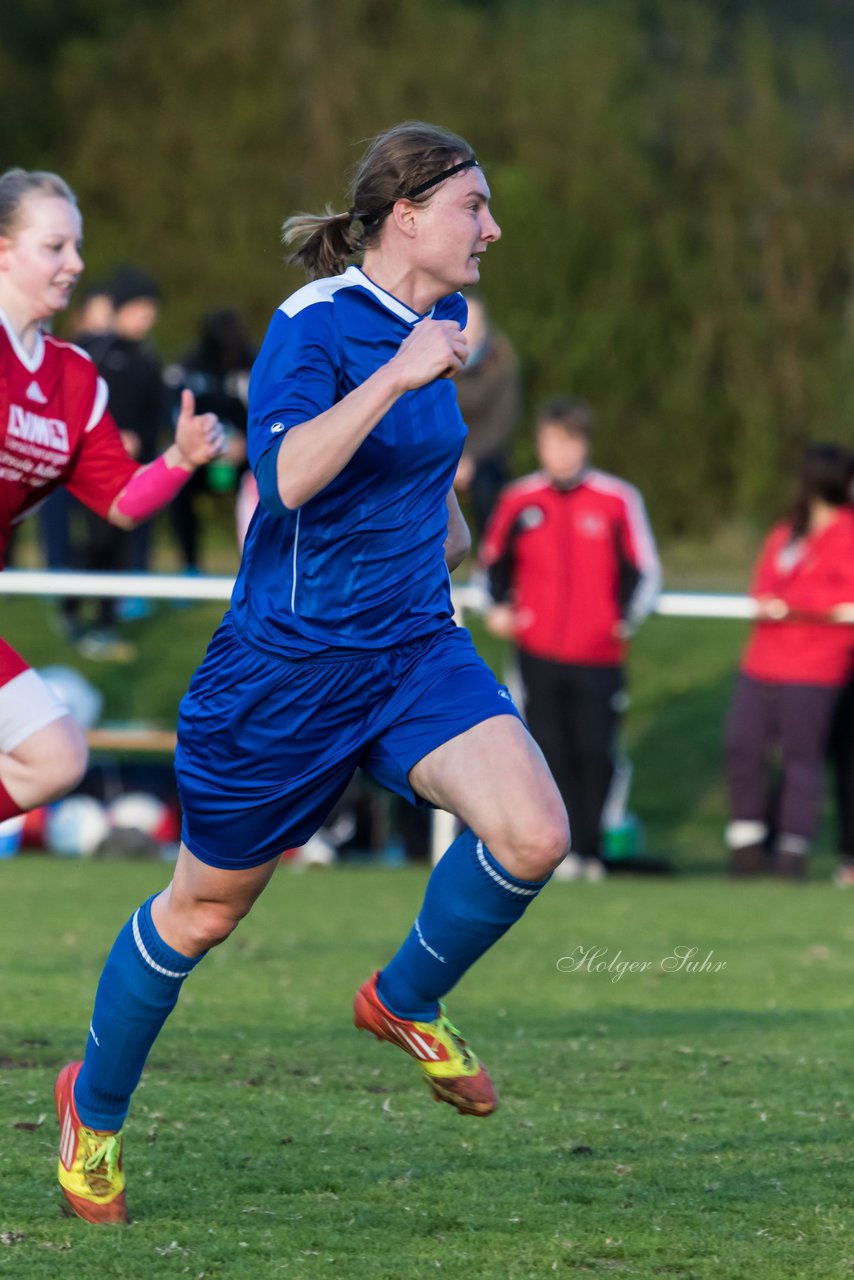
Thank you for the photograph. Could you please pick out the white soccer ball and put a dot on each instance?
(316, 852)
(83, 700)
(76, 826)
(139, 811)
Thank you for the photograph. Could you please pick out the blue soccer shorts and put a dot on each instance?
(267, 745)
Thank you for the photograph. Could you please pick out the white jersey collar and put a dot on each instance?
(389, 301)
(30, 362)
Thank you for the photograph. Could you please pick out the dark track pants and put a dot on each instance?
(794, 717)
(573, 712)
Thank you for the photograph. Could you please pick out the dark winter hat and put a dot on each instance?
(129, 283)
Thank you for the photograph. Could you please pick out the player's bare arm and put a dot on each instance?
(198, 439)
(313, 453)
(458, 541)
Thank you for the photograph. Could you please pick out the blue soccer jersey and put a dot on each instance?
(361, 564)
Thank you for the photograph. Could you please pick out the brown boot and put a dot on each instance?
(790, 866)
(790, 857)
(746, 839)
(749, 860)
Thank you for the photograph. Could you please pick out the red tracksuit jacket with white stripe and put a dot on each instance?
(574, 562)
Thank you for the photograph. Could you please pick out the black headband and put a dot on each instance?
(440, 177)
(368, 218)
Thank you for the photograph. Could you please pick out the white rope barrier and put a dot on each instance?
(166, 586)
(148, 586)
(470, 595)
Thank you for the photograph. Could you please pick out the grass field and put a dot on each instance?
(659, 1123)
(655, 1122)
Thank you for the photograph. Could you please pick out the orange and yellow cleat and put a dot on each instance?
(453, 1072)
(90, 1163)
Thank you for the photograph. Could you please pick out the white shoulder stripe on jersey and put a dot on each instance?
(324, 291)
(101, 397)
(645, 593)
(532, 483)
(315, 291)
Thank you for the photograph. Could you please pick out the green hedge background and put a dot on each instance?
(673, 177)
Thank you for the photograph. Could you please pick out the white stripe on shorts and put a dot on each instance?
(26, 705)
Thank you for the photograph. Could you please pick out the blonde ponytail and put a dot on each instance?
(329, 241)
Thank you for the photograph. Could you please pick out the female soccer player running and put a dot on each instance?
(55, 429)
(340, 650)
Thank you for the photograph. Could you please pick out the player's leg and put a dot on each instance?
(494, 777)
(252, 782)
(42, 750)
(46, 765)
(455, 739)
(152, 956)
(155, 951)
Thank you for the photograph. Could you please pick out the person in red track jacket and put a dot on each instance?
(573, 569)
(798, 657)
(55, 429)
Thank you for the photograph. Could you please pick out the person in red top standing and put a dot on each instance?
(798, 657)
(573, 569)
(55, 430)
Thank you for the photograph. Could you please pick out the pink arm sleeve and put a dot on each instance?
(150, 488)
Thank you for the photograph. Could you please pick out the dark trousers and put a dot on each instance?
(795, 718)
(108, 550)
(102, 552)
(55, 529)
(842, 757)
(185, 521)
(490, 477)
(573, 713)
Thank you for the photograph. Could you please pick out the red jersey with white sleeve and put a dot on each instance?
(55, 429)
(810, 576)
(574, 562)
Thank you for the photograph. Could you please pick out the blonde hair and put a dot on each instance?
(404, 162)
(17, 184)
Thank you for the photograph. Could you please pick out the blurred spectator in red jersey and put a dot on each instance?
(573, 569)
(798, 657)
(488, 391)
(91, 314)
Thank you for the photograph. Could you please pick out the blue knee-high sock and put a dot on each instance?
(138, 990)
(471, 902)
